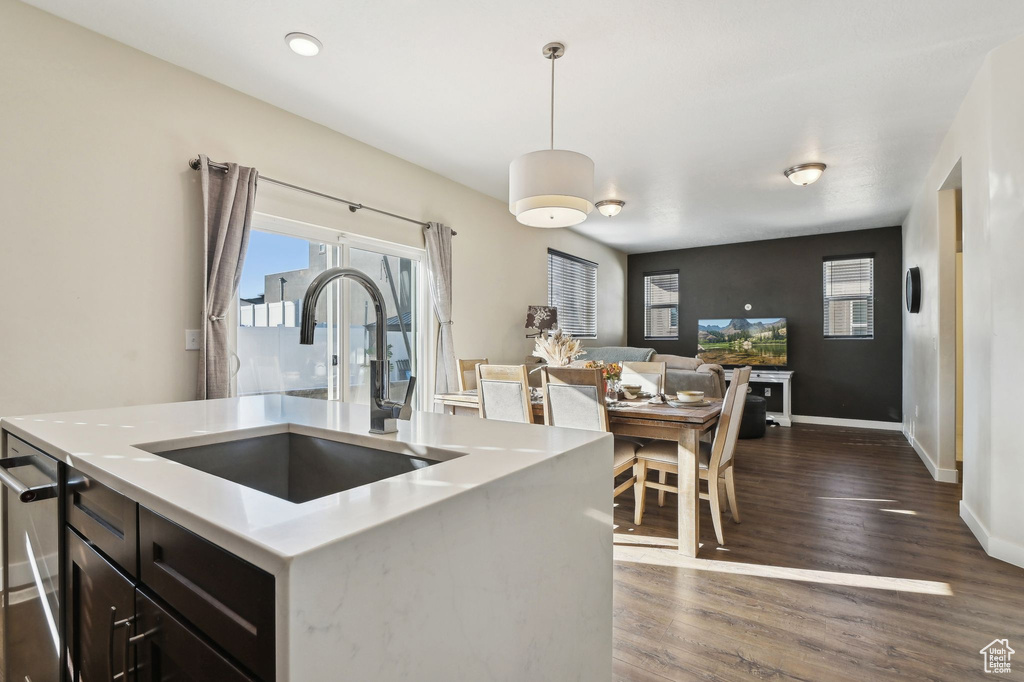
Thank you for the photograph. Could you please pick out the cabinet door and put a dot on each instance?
(100, 610)
(168, 650)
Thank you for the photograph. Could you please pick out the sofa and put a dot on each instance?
(681, 373)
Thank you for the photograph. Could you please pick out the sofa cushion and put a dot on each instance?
(609, 354)
(677, 361)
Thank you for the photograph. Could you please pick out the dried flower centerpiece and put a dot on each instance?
(558, 348)
(611, 372)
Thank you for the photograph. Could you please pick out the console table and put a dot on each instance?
(764, 376)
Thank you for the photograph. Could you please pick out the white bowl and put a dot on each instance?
(690, 396)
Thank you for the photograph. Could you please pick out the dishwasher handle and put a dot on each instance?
(25, 493)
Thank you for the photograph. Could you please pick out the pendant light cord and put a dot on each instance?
(552, 102)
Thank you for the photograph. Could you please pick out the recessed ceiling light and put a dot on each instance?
(805, 174)
(610, 207)
(303, 44)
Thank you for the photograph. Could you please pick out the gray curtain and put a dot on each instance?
(228, 199)
(439, 263)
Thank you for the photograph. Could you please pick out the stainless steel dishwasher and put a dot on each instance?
(31, 564)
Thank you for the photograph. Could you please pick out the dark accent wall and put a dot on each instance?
(847, 378)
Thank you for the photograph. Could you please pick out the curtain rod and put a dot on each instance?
(352, 206)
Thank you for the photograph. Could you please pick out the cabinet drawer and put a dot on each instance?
(169, 650)
(106, 518)
(225, 597)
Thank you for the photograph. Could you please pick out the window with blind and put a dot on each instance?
(572, 288)
(849, 297)
(661, 305)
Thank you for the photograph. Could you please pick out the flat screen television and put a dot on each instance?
(743, 341)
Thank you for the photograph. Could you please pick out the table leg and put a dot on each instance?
(689, 492)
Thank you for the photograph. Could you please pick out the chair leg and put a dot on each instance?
(639, 490)
(716, 511)
(723, 498)
(730, 486)
(662, 479)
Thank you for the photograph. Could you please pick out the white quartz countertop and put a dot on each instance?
(263, 529)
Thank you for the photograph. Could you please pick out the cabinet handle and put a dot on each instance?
(126, 623)
(25, 493)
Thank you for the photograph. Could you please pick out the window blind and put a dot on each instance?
(849, 297)
(572, 288)
(661, 305)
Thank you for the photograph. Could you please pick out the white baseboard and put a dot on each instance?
(939, 474)
(997, 548)
(851, 423)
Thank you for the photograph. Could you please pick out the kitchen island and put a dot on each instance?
(490, 558)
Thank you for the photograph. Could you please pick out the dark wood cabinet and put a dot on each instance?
(168, 650)
(99, 611)
(146, 600)
(114, 626)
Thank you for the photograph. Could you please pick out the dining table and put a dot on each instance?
(640, 418)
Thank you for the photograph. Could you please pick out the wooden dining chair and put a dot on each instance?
(574, 398)
(503, 393)
(649, 376)
(467, 373)
(716, 459)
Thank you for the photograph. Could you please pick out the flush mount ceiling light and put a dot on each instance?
(610, 207)
(303, 44)
(805, 174)
(551, 187)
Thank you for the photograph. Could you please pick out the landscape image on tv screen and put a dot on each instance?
(743, 341)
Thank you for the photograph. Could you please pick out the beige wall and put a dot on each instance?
(101, 250)
(988, 137)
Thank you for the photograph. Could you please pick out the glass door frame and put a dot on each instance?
(340, 245)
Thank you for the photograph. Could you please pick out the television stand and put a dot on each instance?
(766, 376)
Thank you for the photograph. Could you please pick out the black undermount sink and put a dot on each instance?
(297, 467)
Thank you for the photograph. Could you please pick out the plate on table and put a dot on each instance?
(679, 403)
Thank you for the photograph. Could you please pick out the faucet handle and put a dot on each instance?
(406, 410)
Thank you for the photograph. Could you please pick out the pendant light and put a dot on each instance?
(551, 187)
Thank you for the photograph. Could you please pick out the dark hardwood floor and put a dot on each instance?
(851, 563)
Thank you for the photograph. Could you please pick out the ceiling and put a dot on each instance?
(690, 109)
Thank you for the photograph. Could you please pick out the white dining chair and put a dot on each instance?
(649, 376)
(574, 398)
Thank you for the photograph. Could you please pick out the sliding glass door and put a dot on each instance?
(283, 258)
(277, 269)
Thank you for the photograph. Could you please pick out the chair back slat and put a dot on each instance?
(503, 393)
(650, 376)
(574, 398)
(467, 373)
(728, 429)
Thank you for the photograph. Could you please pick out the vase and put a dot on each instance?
(611, 391)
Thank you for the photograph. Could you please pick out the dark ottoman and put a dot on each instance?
(755, 413)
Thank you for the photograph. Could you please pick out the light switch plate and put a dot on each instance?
(192, 339)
